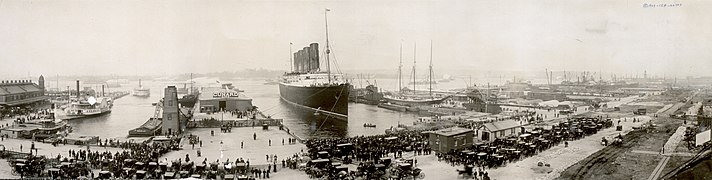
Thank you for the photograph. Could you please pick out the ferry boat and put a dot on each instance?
(90, 106)
(141, 91)
(308, 87)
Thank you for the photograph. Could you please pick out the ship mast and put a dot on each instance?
(414, 82)
(400, 72)
(430, 76)
(326, 22)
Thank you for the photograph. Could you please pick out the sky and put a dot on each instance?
(127, 37)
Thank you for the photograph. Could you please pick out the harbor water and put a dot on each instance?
(130, 112)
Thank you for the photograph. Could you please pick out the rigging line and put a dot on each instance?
(332, 108)
(336, 62)
(270, 108)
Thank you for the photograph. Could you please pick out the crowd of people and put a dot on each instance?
(21, 115)
(79, 162)
(364, 150)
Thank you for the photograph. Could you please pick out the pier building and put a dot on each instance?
(20, 93)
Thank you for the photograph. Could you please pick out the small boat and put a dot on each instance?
(369, 125)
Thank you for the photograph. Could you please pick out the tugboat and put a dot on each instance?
(369, 125)
(310, 88)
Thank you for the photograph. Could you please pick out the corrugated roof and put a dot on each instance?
(14, 89)
(451, 131)
(502, 125)
(18, 88)
(30, 88)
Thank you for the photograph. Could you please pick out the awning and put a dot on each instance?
(24, 101)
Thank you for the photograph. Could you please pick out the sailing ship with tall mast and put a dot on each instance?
(429, 81)
(404, 97)
(310, 88)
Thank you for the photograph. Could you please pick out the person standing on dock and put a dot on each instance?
(242, 144)
(270, 142)
(254, 136)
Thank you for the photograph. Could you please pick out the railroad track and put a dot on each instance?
(659, 169)
(606, 155)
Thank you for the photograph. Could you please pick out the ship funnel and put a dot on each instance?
(102, 90)
(77, 88)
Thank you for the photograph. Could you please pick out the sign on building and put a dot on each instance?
(702, 138)
(225, 94)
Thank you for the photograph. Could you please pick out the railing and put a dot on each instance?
(214, 123)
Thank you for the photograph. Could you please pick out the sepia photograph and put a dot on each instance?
(356, 89)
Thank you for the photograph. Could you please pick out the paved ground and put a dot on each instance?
(254, 150)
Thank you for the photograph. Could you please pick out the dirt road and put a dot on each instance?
(613, 162)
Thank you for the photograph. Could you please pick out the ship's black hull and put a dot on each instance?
(333, 99)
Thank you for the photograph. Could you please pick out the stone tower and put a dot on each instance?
(171, 116)
(40, 82)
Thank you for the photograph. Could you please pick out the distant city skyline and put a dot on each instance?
(174, 37)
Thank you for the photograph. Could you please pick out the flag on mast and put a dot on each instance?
(327, 9)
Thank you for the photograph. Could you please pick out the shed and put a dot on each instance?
(499, 129)
(447, 139)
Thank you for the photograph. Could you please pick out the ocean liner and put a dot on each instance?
(308, 87)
